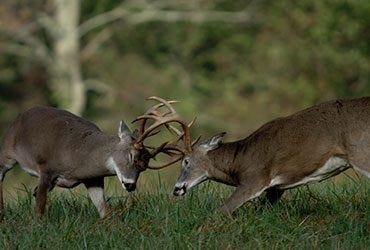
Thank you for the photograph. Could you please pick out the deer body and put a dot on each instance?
(308, 146)
(65, 150)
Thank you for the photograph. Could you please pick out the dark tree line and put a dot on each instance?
(236, 63)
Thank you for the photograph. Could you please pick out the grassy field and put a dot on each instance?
(329, 215)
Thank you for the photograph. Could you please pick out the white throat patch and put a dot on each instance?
(114, 169)
(192, 183)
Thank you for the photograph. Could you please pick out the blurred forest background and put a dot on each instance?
(234, 64)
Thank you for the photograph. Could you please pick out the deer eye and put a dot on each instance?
(185, 162)
(130, 157)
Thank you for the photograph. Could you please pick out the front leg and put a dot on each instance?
(273, 194)
(5, 166)
(95, 187)
(1, 200)
(241, 195)
(36, 188)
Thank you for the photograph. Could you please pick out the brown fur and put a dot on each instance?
(66, 150)
(290, 148)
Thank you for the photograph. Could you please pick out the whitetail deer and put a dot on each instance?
(66, 150)
(308, 146)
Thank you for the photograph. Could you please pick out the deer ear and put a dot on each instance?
(135, 135)
(214, 142)
(123, 130)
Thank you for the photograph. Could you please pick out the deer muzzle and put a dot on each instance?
(179, 191)
(130, 186)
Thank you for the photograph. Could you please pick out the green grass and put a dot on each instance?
(326, 216)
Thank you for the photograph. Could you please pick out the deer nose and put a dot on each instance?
(130, 186)
(179, 191)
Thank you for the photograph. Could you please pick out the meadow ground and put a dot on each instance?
(329, 215)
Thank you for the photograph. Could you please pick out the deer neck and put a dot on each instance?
(225, 168)
(101, 148)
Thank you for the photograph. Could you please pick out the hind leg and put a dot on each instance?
(361, 162)
(45, 184)
(359, 152)
(363, 171)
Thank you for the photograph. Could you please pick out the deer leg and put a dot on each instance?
(36, 188)
(35, 191)
(5, 166)
(95, 187)
(2, 175)
(241, 195)
(273, 194)
(361, 165)
(359, 155)
(45, 184)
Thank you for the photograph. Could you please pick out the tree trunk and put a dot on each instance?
(66, 82)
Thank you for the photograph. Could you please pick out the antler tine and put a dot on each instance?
(143, 119)
(158, 149)
(170, 149)
(160, 119)
(142, 126)
(183, 135)
(152, 111)
(167, 164)
(164, 102)
(147, 116)
(153, 133)
(192, 122)
(186, 135)
(172, 129)
(196, 140)
(159, 105)
(165, 119)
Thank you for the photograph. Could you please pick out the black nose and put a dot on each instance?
(130, 186)
(176, 191)
(179, 191)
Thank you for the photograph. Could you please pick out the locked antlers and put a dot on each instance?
(165, 119)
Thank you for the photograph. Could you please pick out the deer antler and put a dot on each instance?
(165, 119)
(161, 119)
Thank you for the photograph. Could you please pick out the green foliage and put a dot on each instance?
(330, 215)
(234, 76)
(237, 76)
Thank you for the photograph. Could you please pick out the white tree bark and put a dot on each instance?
(63, 62)
(66, 81)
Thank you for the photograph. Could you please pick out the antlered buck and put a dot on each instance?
(66, 150)
(308, 146)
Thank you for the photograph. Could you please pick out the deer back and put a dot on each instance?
(58, 141)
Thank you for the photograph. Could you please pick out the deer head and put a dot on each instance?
(131, 156)
(181, 147)
(194, 157)
(128, 159)
(196, 164)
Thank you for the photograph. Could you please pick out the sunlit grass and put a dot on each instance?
(325, 215)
